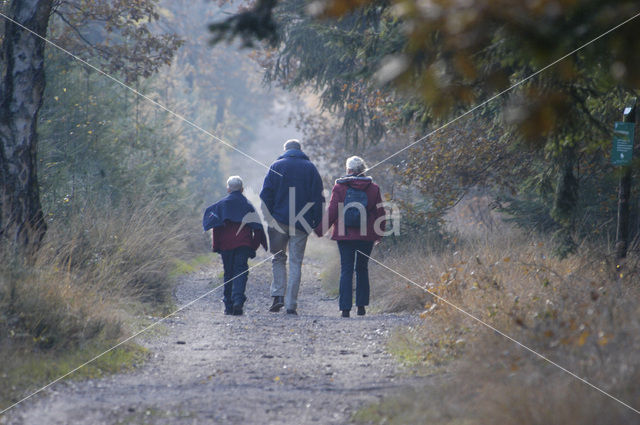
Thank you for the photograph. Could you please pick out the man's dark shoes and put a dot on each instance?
(345, 313)
(237, 310)
(228, 311)
(293, 312)
(278, 303)
(361, 310)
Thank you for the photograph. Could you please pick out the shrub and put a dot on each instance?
(580, 312)
(129, 249)
(94, 271)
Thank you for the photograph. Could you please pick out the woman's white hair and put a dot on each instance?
(234, 183)
(356, 165)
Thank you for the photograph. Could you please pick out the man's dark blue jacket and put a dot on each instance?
(297, 172)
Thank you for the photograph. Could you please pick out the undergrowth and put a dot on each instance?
(580, 312)
(97, 272)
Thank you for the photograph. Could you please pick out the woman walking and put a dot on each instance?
(356, 213)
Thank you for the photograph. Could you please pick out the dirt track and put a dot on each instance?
(260, 368)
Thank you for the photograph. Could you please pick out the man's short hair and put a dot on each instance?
(234, 183)
(292, 144)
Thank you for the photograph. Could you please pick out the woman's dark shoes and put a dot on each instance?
(295, 313)
(278, 303)
(237, 310)
(345, 313)
(228, 311)
(361, 310)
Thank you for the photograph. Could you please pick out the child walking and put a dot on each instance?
(237, 234)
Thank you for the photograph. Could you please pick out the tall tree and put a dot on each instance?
(21, 89)
(119, 34)
(443, 57)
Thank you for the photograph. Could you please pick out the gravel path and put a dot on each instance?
(260, 368)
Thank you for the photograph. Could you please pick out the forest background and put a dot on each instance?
(516, 200)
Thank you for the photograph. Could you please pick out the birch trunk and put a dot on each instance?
(21, 89)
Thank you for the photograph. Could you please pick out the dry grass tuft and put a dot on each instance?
(128, 250)
(52, 310)
(581, 312)
(94, 272)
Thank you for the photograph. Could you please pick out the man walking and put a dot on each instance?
(292, 194)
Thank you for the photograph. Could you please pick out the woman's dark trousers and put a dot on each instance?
(350, 260)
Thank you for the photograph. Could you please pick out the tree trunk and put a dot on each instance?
(21, 89)
(566, 203)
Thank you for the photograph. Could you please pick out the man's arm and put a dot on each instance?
(331, 214)
(269, 189)
(317, 198)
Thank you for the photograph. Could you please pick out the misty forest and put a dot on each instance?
(498, 142)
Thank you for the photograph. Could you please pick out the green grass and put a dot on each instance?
(330, 281)
(24, 371)
(424, 353)
(400, 409)
(330, 275)
(183, 267)
(407, 348)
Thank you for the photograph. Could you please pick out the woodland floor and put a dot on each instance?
(260, 368)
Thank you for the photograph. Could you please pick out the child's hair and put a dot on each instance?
(234, 183)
